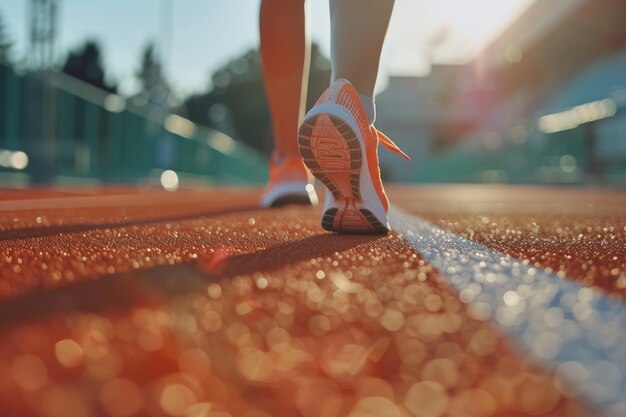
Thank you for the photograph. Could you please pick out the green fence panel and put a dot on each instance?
(97, 135)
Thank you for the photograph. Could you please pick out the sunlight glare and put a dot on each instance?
(472, 25)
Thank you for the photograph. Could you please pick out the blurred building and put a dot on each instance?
(417, 112)
(406, 112)
(412, 111)
(543, 103)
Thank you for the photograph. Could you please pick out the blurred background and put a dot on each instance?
(170, 92)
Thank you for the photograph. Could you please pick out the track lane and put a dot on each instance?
(109, 208)
(252, 262)
(271, 315)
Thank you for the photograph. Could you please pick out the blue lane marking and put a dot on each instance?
(576, 331)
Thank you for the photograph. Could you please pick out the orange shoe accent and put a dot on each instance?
(388, 143)
(289, 183)
(333, 138)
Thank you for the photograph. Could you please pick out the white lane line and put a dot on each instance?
(576, 331)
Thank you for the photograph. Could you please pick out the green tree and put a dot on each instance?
(5, 43)
(154, 87)
(85, 63)
(237, 105)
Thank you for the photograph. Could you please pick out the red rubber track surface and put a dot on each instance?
(190, 303)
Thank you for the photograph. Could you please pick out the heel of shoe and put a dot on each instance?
(332, 151)
(350, 218)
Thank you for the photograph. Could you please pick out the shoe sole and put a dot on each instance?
(332, 151)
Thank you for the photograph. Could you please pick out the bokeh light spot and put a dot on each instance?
(427, 399)
(175, 399)
(121, 397)
(68, 353)
(29, 372)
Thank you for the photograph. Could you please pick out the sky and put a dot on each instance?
(205, 34)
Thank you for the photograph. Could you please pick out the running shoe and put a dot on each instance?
(289, 183)
(340, 148)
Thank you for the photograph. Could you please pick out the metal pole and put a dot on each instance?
(166, 27)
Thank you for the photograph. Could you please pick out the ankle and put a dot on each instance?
(370, 108)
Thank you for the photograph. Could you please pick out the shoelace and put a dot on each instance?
(388, 143)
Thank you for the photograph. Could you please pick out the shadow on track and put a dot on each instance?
(154, 286)
(227, 266)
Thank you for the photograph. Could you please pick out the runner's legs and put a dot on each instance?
(285, 54)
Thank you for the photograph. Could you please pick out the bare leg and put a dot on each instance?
(285, 54)
(358, 29)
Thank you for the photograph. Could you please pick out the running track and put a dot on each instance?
(484, 301)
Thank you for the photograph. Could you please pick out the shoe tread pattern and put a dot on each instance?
(331, 151)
